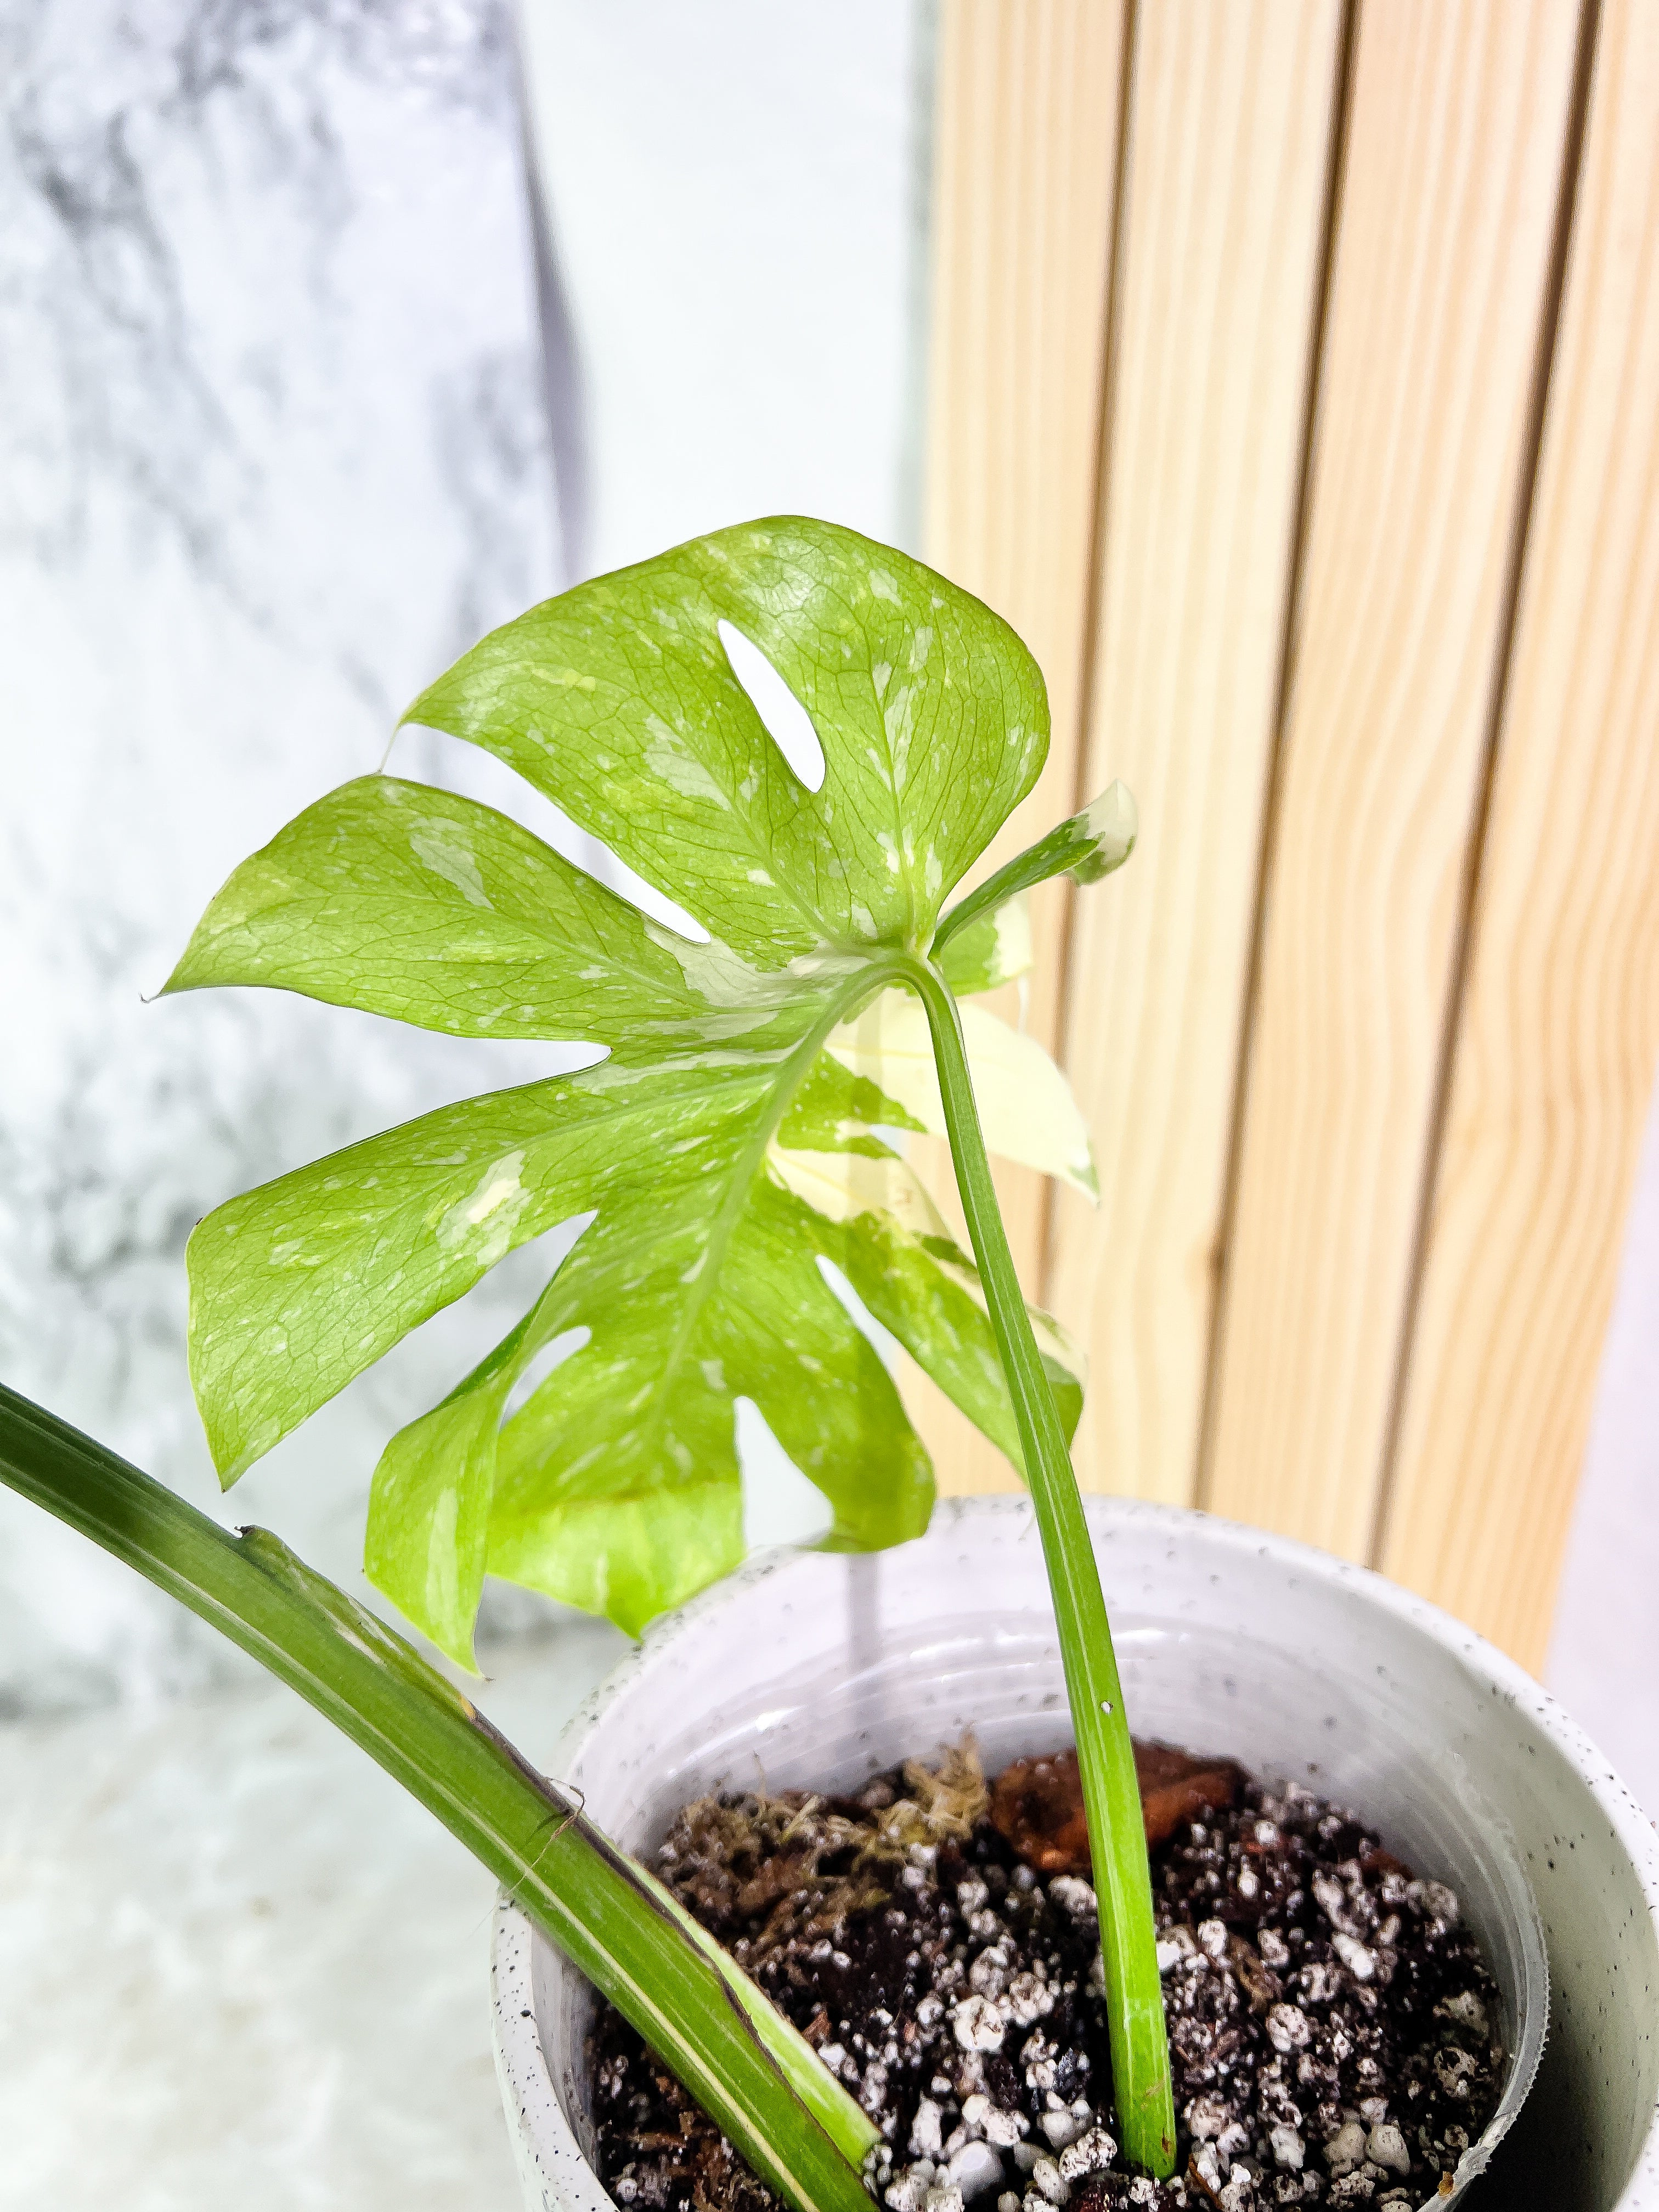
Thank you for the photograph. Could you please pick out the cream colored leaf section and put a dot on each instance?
(1052, 1341)
(839, 1185)
(1013, 955)
(842, 1185)
(1025, 1104)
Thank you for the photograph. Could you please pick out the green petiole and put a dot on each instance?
(1134, 1995)
(742, 2061)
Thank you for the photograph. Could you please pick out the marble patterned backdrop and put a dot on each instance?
(275, 446)
(300, 391)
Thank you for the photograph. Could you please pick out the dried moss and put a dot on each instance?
(810, 1860)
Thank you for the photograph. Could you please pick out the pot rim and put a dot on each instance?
(526, 2077)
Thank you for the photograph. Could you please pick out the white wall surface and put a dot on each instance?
(735, 193)
(1604, 1655)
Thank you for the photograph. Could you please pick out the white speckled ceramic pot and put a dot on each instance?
(816, 1669)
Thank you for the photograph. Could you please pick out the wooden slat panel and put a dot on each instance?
(1026, 143)
(1447, 219)
(1226, 189)
(1559, 1029)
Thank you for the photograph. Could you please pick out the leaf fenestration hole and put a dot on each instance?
(455, 765)
(541, 1364)
(787, 722)
(880, 1339)
(779, 1505)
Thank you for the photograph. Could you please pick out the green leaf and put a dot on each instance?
(616, 1485)
(994, 949)
(415, 903)
(744, 1068)
(301, 1284)
(1089, 846)
(869, 1213)
(617, 700)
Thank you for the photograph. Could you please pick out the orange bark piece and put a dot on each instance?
(1037, 1804)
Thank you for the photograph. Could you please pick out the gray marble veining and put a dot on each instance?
(273, 448)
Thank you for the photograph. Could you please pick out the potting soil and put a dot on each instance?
(1333, 2030)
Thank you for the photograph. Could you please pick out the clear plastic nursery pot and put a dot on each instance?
(818, 1668)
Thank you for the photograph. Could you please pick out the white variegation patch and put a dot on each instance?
(1112, 822)
(840, 1185)
(1025, 1104)
(1052, 1341)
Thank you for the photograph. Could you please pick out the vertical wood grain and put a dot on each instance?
(1026, 133)
(1227, 187)
(1558, 1034)
(1446, 222)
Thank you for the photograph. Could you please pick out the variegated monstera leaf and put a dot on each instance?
(727, 1143)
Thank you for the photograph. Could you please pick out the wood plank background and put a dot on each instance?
(1458, 115)
(1028, 137)
(1229, 128)
(1295, 391)
(1557, 1028)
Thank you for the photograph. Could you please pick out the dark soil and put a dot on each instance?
(1333, 2029)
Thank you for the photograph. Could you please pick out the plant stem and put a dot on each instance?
(1111, 1796)
(743, 2062)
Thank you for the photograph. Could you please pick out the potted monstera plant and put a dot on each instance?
(803, 740)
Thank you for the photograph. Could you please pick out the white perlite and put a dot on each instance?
(1360, 1962)
(1207, 2166)
(973, 2169)
(1386, 2146)
(1063, 2127)
(996, 2123)
(1039, 2057)
(1455, 2071)
(1288, 2029)
(1287, 2147)
(1434, 1898)
(1048, 2181)
(1205, 2119)
(1090, 2154)
(978, 2024)
(1346, 2148)
(988, 1974)
(1029, 1999)
(1465, 2009)
(1073, 1895)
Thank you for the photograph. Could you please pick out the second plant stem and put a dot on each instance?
(1111, 1794)
(746, 2066)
